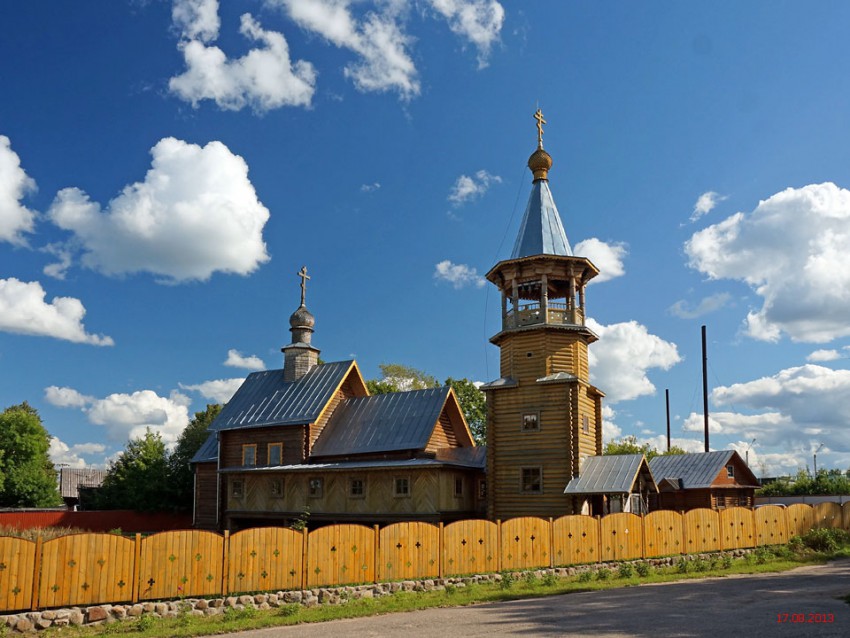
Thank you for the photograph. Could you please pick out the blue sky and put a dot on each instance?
(166, 169)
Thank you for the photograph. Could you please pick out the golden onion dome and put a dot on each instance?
(539, 163)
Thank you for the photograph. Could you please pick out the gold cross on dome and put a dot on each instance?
(304, 277)
(540, 122)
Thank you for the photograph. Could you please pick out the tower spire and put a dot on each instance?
(299, 357)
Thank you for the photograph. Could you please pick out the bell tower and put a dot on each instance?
(543, 415)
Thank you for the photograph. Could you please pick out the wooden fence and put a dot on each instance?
(89, 569)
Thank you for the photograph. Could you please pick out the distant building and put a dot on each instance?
(75, 483)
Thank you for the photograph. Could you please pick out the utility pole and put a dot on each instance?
(667, 397)
(705, 388)
(815, 458)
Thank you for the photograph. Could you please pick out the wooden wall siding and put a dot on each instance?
(17, 567)
(340, 555)
(827, 515)
(176, 564)
(575, 540)
(409, 550)
(470, 546)
(265, 558)
(800, 518)
(83, 569)
(663, 533)
(206, 494)
(737, 528)
(621, 536)
(349, 389)
(771, 525)
(443, 435)
(845, 516)
(525, 543)
(702, 530)
(292, 437)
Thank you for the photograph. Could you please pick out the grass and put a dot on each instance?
(511, 587)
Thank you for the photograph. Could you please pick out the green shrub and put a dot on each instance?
(727, 561)
(451, 590)
(145, 623)
(508, 580)
(825, 539)
(684, 566)
(550, 580)
(699, 565)
(530, 578)
(603, 573)
(643, 569)
(713, 563)
(625, 570)
(585, 576)
(289, 610)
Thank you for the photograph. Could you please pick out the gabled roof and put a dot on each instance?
(266, 399)
(382, 423)
(612, 474)
(541, 231)
(71, 479)
(695, 470)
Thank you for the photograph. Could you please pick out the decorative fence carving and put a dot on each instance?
(88, 569)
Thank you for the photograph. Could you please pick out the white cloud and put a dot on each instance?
(195, 213)
(23, 310)
(66, 397)
(792, 251)
(15, 218)
(218, 390)
(607, 257)
(458, 275)
(369, 188)
(620, 360)
(824, 355)
(378, 39)
(468, 188)
(65, 256)
(236, 360)
(196, 19)
(72, 456)
(706, 306)
(479, 21)
(264, 78)
(610, 430)
(705, 204)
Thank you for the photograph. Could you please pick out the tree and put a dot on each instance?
(190, 441)
(27, 475)
(139, 478)
(629, 445)
(474, 406)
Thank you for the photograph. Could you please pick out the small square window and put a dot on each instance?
(356, 488)
(730, 471)
(237, 488)
(401, 486)
(458, 486)
(530, 421)
(585, 424)
(721, 500)
(275, 454)
(532, 480)
(316, 487)
(482, 489)
(276, 488)
(249, 455)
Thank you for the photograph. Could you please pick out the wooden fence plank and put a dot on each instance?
(265, 559)
(178, 564)
(17, 567)
(662, 533)
(800, 518)
(525, 543)
(471, 546)
(409, 550)
(575, 540)
(702, 531)
(827, 515)
(341, 554)
(737, 528)
(621, 536)
(771, 525)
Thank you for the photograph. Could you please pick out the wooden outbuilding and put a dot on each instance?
(714, 480)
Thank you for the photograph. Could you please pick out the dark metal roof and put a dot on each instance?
(541, 232)
(612, 474)
(357, 465)
(468, 456)
(694, 470)
(266, 399)
(382, 423)
(499, 383)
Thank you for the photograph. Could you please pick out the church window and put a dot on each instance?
(530, 421)
(585, 424)
(401, 486)
(276, 488)
(237, 488)
(532, 480)
(316, 487)
(730, 471)
(249, 454)
(357, 488)
(275, 453)
(721, 500)
(482, 489)
(458, 486)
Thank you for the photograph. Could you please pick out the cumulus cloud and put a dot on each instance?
(621, 359)
(15, 218)
(63, 454)
(468, 188)
(378, 39)
(824, 355)
(608, 257)
(610, 430)
(236, 360)
(369, 188)
(706, 306)
(479, 21)
(23, 310)
(705, 204)
(264, 78)
(127, 416)
(195, 213)
(218, 390)
(458, 275)
(792, 251)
